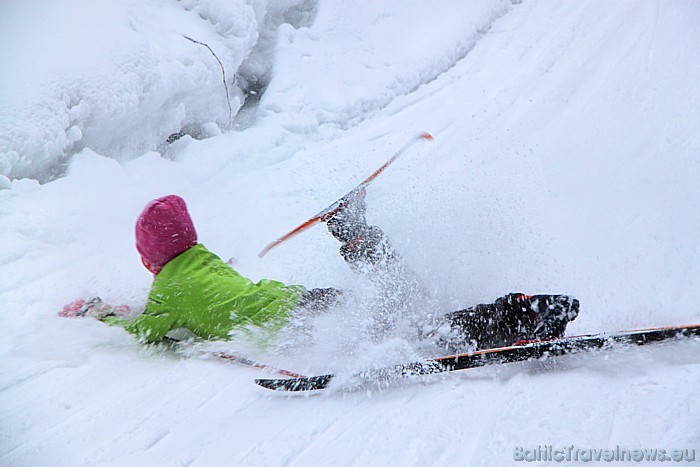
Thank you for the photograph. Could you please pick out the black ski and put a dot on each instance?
(479, 358)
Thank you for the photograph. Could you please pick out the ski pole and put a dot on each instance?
(251, 363)
(181, 346)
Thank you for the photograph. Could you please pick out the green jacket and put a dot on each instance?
(198, 291)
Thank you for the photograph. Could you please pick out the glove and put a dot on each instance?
(93, 308)
(77, 308)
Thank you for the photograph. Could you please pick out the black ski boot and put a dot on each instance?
(510, 319)
(552, 313)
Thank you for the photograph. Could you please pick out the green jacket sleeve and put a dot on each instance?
(147, 327)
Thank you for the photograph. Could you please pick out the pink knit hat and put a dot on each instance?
(164, 230)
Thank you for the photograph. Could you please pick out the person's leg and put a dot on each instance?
(510, 319)
(317, 301)
(299, 329)
(368, 251)
(365, 249)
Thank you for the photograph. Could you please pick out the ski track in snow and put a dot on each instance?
(565, 160)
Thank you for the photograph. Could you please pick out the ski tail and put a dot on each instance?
(480, 358)
(328, 212)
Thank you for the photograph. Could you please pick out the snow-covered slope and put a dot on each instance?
(565, 160)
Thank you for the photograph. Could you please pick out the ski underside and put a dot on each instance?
(480, 358)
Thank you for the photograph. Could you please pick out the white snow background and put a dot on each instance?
(566, 160)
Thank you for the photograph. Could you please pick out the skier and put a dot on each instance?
(194, 292)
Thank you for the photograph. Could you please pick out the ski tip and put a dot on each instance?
(427, 136)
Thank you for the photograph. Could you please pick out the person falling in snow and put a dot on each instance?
(196, 292)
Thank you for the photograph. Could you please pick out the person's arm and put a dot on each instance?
(150, 328)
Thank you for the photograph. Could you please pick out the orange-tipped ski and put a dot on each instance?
(335, 207)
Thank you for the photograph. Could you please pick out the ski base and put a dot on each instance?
(479, 358)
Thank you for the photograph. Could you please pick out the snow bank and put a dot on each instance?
(119, 77)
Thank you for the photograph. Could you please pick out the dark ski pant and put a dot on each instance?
(482, 326)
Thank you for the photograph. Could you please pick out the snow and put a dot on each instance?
(565, 160)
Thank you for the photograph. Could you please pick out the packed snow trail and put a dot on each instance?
(565, 161)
